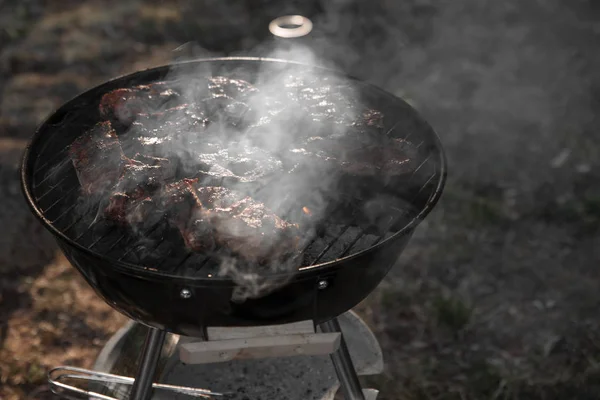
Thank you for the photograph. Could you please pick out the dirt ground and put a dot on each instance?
(497, 295)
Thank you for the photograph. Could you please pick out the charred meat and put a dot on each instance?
(131, 202)
(174, 120)
(217, 197)
(195, 227)
(116, 209)
(210, 217)
(144, 142)
(369, 118)
(180, 201)
(221, 99)
(234, 88)
(225, 109)
(302, 111)
(237, 163)
(169, 133)
(245, 227)
(98, 159)
(253, 232)
(124, 105)
(356, 156)
(134, 210)
(181, 204)
(178, 154)
(145, 172)
(325, 100)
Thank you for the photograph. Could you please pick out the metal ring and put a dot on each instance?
(291, 26)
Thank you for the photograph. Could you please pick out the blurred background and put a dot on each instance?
(498, 294)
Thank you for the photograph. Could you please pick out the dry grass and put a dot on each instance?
(64, 322)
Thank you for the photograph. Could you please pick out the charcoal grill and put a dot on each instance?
(171, 290)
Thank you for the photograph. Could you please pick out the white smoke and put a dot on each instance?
(279, 116)
(286, 103)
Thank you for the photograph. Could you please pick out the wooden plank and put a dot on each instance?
(226, 333)
(260, 347)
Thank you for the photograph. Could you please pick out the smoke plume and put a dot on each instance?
(254, 128)
(278, 114)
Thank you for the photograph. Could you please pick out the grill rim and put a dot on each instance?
(303, 272)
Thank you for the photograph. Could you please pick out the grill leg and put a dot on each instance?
(343, 365)
(142, 387)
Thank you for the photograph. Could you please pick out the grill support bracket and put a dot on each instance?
(142, 386)
(343, 365)
(362, 356)
(226, 344)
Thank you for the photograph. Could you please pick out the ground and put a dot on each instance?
(496, 296)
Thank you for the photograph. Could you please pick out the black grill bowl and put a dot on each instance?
(323, 289)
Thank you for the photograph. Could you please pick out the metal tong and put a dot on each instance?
(56, 375)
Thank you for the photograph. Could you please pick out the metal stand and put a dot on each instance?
(142, 386)
(251, 362)
(343, 365)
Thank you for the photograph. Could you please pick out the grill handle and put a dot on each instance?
(58, 374)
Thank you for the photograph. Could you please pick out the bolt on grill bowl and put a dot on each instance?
(339, 269)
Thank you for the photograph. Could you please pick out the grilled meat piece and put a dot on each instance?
(222, 100)
(156, 101)
(199, 233)
(279, 126)
(170, 134)
(144, 142)
(131, 203)
(366, 156)
(208, 217)
(97, 158)
(145, 172)
(306, 108)
(179, 201)
(166, 167)
(217, 197)
(237, 163)
(183, 208)
(174, 120)
(221, 108)
(123, 105)
(116, 209)
(143, 213)
(328, 108)
(134, 210)
(369, 118)
(253, 232)
(325, 100)
(235, 88)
